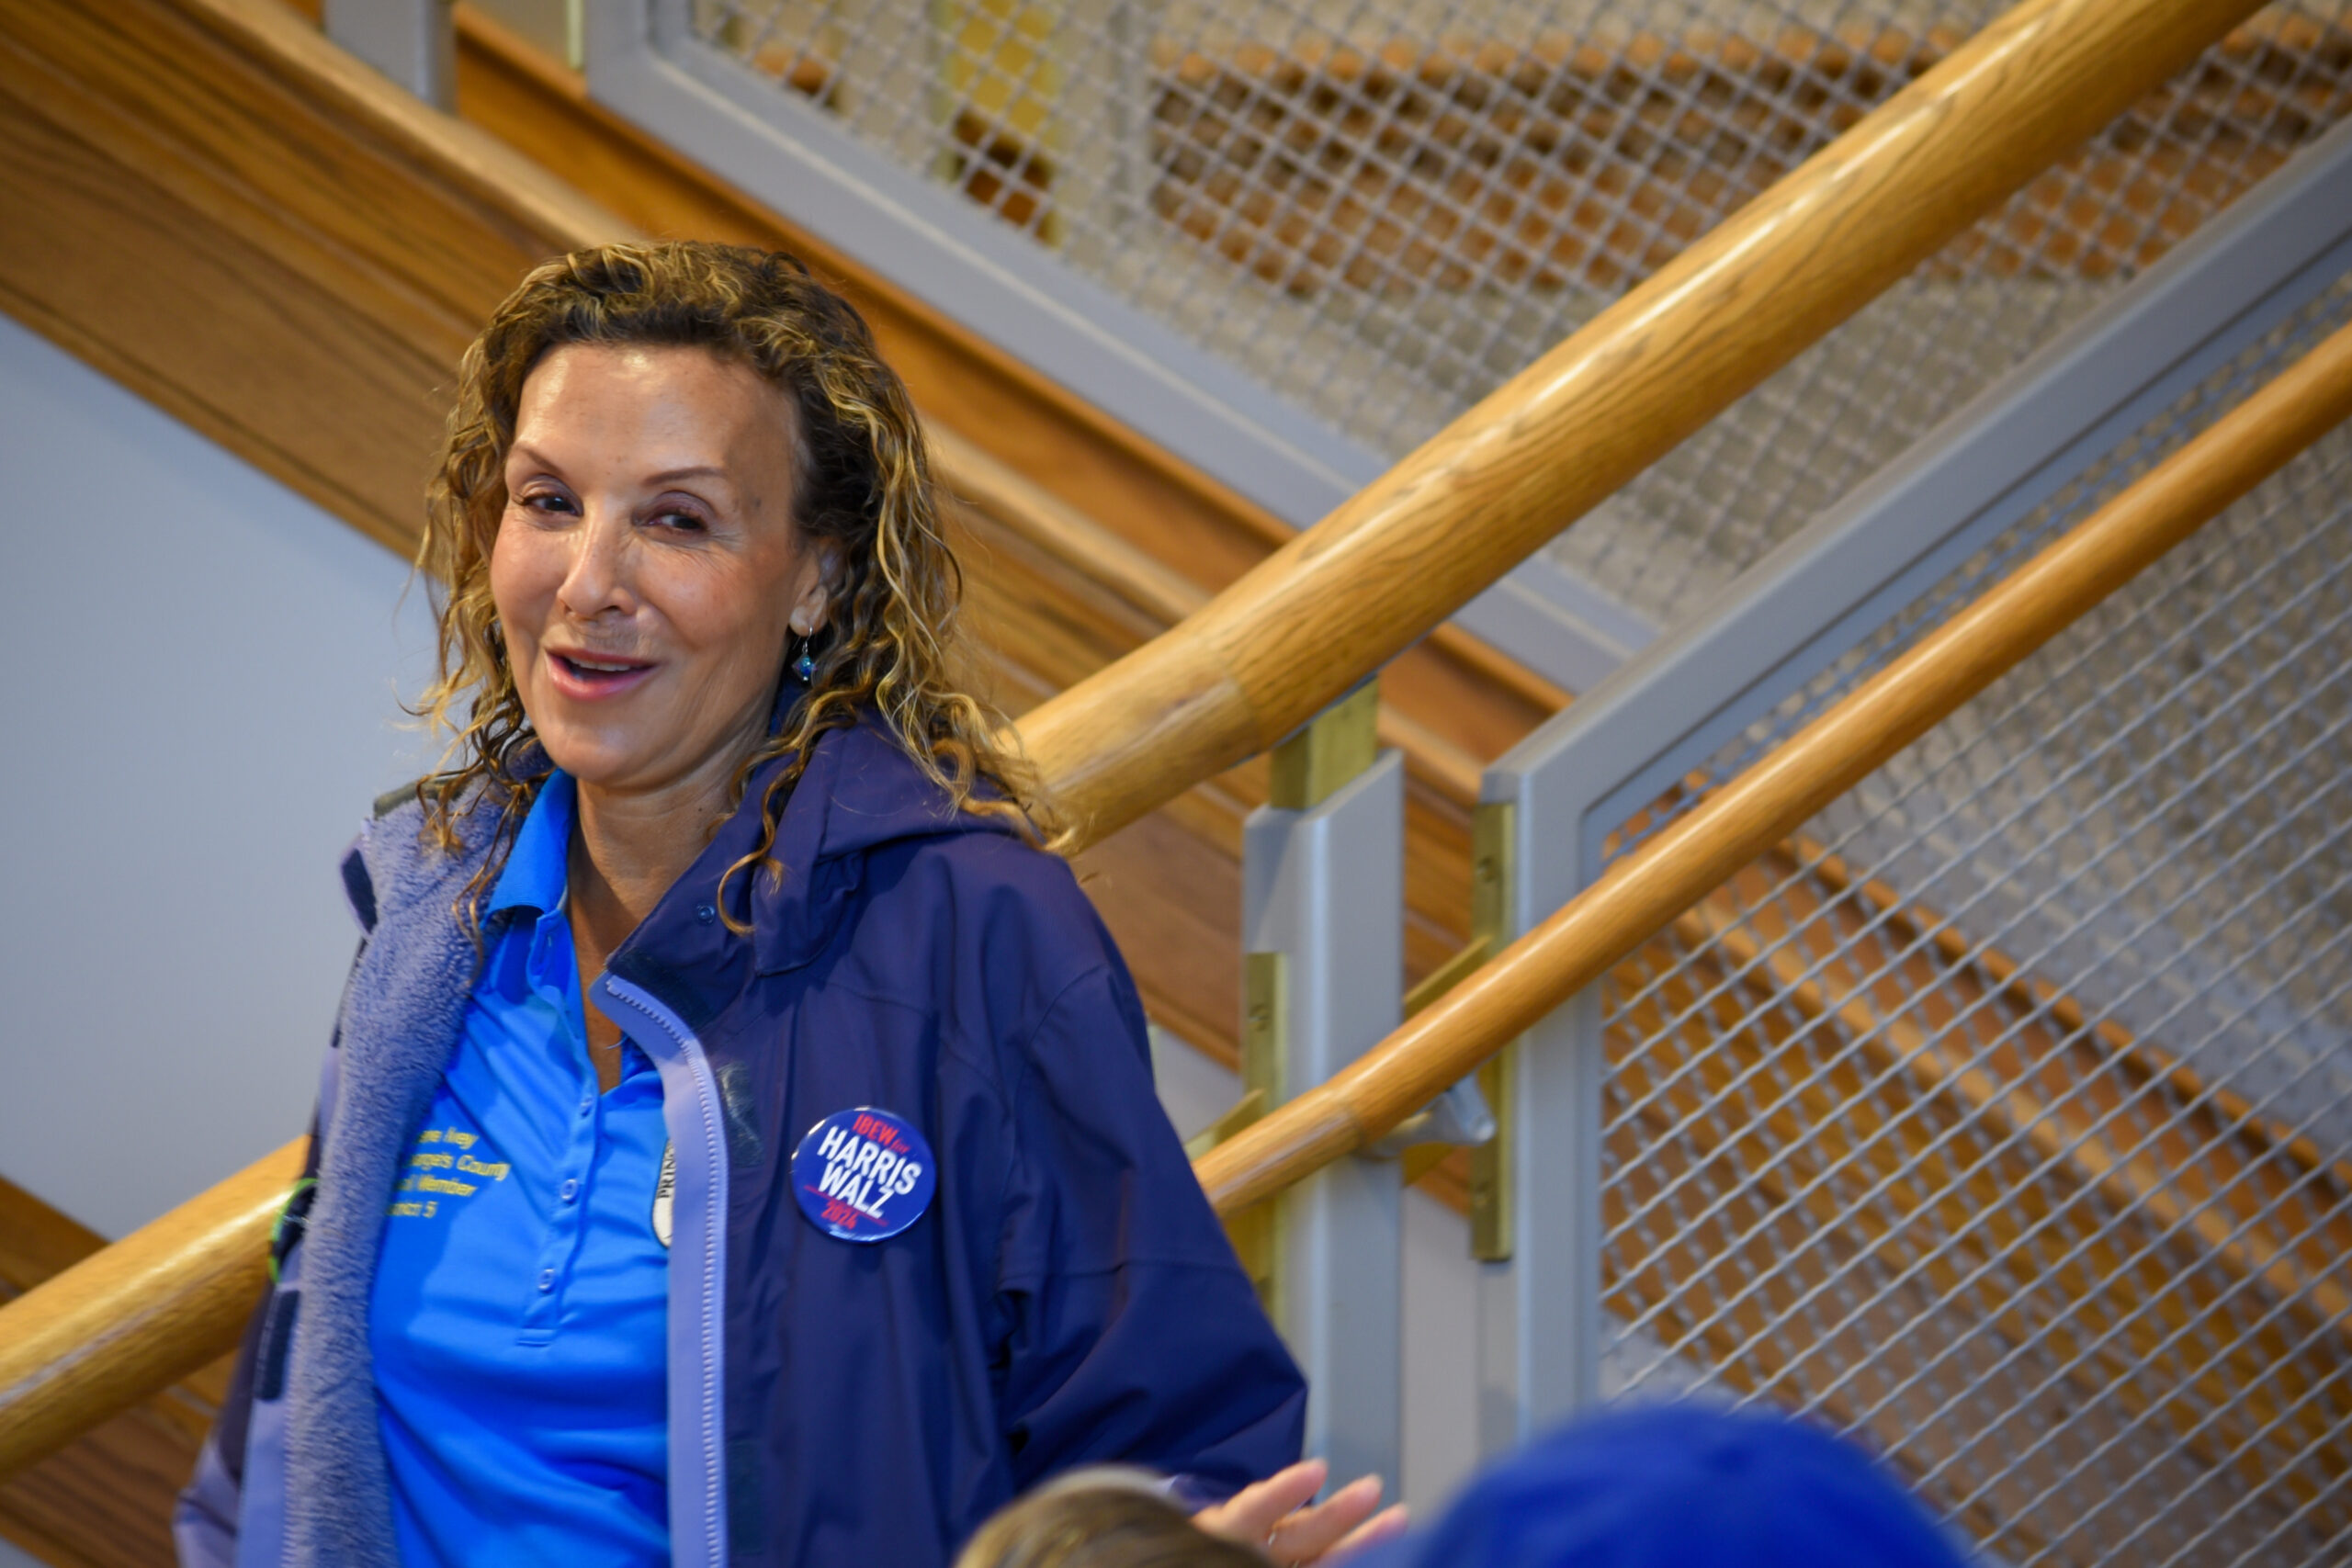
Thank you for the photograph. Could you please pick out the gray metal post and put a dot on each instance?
(1325, 887)
(412, 41)
(1540, 1329)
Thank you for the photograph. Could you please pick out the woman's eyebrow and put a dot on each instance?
(532, 454)
(693, 472)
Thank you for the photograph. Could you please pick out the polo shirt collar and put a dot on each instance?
(539, 865)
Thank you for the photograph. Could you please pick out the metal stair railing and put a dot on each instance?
(1824, 603)
(2082, 1285)
(1288, 242)
(1955, 871)
(1559, 438)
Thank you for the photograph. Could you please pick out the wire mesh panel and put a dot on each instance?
(2004, 1114)
(1381, 208)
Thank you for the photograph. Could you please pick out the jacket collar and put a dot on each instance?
(859, 792)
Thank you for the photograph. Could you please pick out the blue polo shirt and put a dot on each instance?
(522, 1292)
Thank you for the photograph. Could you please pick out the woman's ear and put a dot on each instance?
(809, 615)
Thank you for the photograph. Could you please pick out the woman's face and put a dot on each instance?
(647, 571)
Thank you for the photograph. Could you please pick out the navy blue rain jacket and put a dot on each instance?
(1066, 1298)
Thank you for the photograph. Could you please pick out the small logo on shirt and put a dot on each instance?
(862, 1175)
(666, 1194)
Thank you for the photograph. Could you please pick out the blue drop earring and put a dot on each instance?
(805, 666)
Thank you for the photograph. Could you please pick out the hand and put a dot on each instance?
(1271, 1517)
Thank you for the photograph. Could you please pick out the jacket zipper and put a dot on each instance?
(711, 1317)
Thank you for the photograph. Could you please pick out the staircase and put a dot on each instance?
(1875, 1141)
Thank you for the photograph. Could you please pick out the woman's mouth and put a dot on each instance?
(596, 676)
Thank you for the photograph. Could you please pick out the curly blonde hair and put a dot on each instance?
(891, 644)
(1103, 1517)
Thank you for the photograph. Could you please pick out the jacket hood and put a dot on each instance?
(860, 793)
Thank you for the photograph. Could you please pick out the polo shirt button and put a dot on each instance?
(571, 1190)
(586, 1105)
(705, 913)
(547, 1280)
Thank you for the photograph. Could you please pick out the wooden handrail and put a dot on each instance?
(1350, 593)
(142, 1313)
(1643, 893)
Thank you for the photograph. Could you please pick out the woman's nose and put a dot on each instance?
(596, 582)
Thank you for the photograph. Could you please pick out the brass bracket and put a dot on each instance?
(1492, 879)
(1265, 1029)
(1334, 747)
(1265, 1022)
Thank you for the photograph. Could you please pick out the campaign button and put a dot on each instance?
(862, 1175)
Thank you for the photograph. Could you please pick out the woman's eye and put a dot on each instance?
(685, 521)
(548, 501)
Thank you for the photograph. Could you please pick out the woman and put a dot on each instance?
(738, 1143)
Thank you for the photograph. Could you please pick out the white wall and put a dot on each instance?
(199, 707)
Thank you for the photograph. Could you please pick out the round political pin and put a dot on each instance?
(862, 1175)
